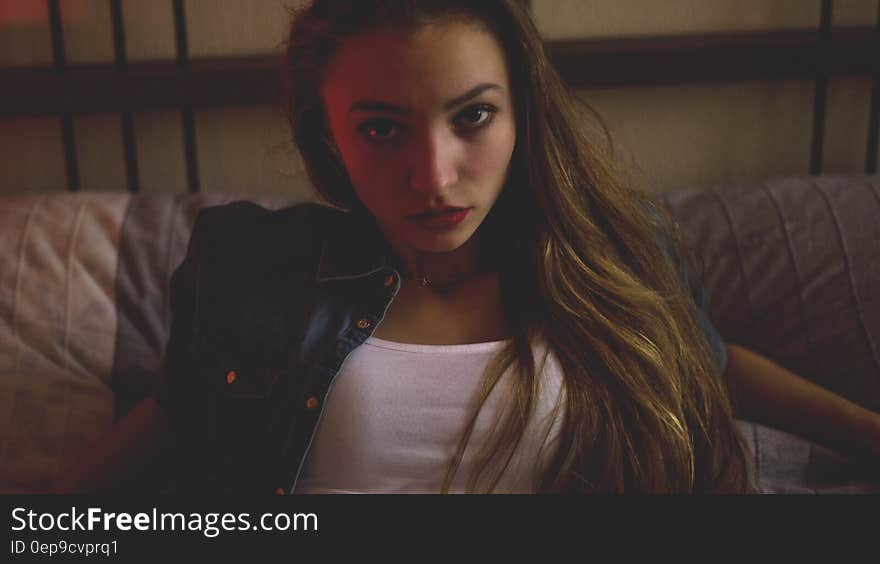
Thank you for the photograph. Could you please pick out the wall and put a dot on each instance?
(670, 136)
(699, 135)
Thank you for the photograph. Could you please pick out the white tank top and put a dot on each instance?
(396, 412)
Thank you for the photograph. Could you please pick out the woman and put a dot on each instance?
(494, 311)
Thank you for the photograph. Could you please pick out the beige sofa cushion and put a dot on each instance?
(57, 330)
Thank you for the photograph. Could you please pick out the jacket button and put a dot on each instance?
(312, 403)
(363, 323)
(230, 376)
(389, 280)
(279, 491)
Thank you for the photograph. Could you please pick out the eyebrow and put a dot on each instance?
(375, 106)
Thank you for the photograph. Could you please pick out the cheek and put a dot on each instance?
(366, 175)
(492, 158)
(366, 178)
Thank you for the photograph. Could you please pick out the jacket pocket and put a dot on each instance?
(233, 373)
(241, 393)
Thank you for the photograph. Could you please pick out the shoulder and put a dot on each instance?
(246, 231)
(245, 221)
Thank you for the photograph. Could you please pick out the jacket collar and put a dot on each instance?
(352, 248)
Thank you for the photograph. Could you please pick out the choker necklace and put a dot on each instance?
(424, 280)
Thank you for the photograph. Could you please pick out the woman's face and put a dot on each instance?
(425, 126)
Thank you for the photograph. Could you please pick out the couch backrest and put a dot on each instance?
(792, 268)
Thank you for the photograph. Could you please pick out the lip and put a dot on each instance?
(441, 217)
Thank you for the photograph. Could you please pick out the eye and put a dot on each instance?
(379, 129)
(476, 117)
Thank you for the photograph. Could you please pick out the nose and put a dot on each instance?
(433, 166)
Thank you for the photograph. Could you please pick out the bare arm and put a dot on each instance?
(126, 456)
(766, 393)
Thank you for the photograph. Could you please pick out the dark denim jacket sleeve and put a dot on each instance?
(694, 284)
(701, 297)
(180, 391)
(716, 343)
(190, 389)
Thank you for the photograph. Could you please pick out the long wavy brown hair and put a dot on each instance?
(587, 263)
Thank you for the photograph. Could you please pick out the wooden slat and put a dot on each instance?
(187, 114)
(820, 95)
(873, 114)
(129, 140)
(584, 64)
(873, 125)
(59, 70)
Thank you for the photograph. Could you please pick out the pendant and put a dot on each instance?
(424, 281)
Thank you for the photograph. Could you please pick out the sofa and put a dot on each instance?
(791, 266)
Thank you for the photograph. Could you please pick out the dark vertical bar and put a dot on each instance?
(821, 93)
(189, 130)
(118, 35)
(57, 36)
(873, 116)
(121, 62)
(180, 34)
(68, 138)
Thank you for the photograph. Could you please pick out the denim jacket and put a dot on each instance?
(266, 307)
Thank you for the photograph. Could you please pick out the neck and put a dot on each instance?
(441, 269)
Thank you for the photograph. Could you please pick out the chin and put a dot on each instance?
(443, 246)
(445, 243)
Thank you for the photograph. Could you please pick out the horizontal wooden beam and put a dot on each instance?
(781, 55)
(84, 89)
